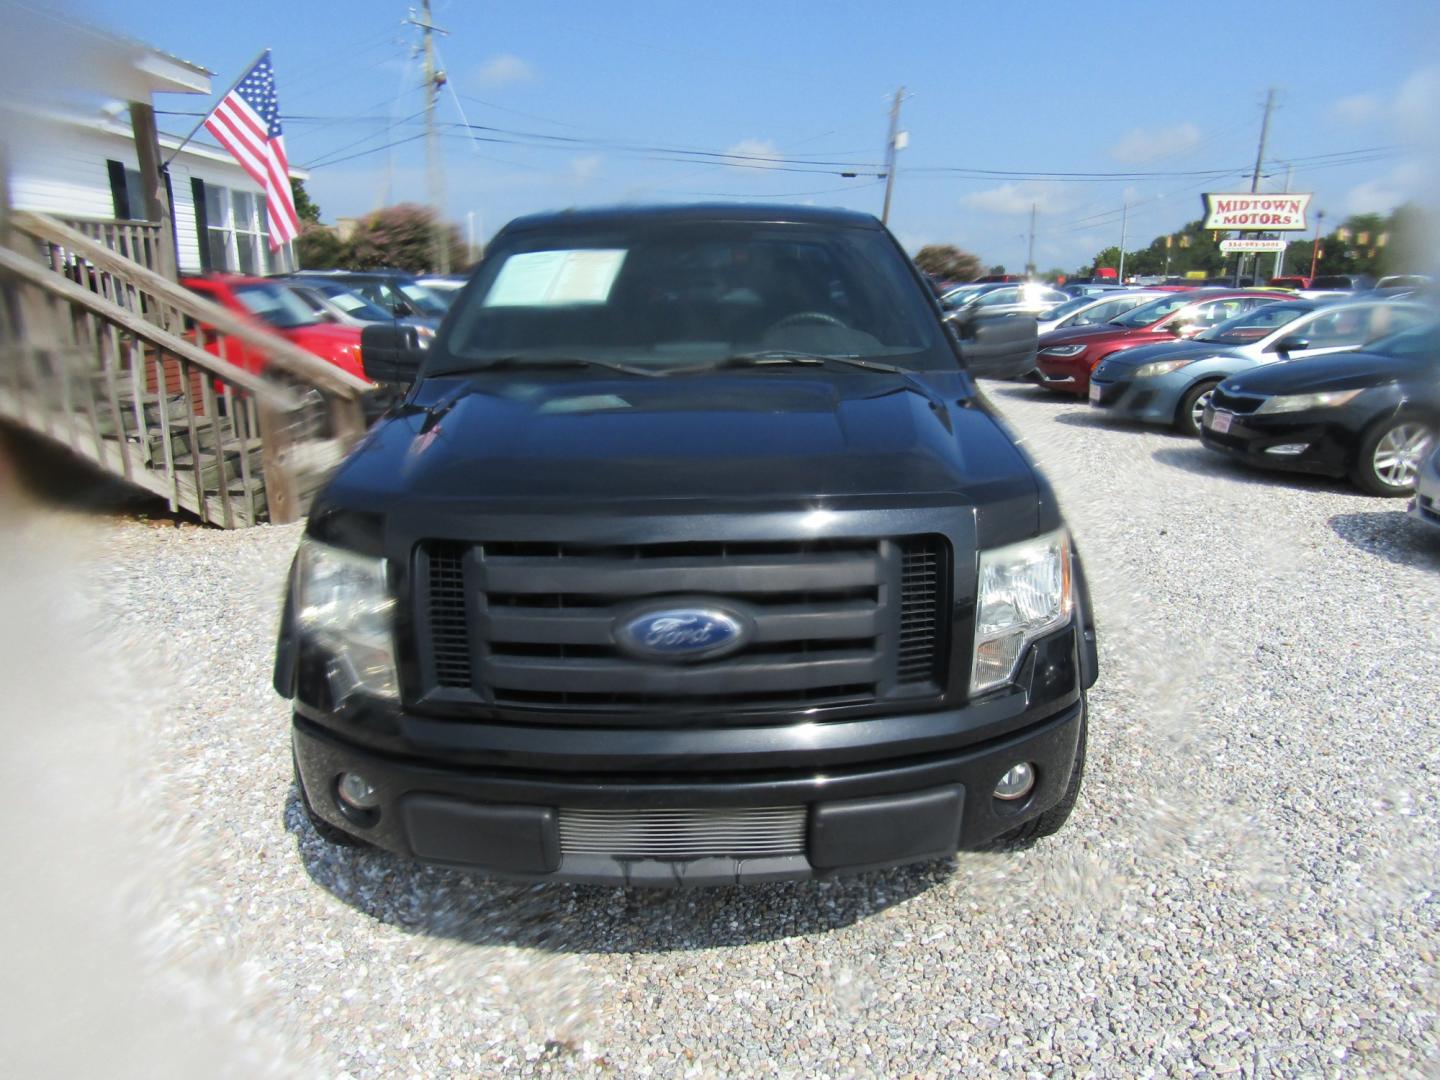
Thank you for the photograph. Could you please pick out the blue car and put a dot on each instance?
(1170, 383)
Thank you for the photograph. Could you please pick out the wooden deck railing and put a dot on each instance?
(134, 372)
(138, 241)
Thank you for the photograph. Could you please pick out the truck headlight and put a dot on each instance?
(1025, 592)
(1300, 402)
(343, 606)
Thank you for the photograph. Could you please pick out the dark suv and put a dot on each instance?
(692, 556)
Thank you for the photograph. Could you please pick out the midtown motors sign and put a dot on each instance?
(1258, 213)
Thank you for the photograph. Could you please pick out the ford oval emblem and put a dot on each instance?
(682, 633)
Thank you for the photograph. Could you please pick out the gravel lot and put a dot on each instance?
(1248, 886)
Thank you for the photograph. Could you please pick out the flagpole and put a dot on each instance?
(185, 142)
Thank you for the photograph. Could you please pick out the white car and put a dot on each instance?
(1093, 310)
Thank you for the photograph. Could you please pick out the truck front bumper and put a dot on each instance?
(512, 823)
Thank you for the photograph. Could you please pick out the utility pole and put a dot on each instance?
(1030, 259)
(1315, 244)
(434, 80)
(890, 148)
(1280, 255)
(1259, 163)
(1124, 223)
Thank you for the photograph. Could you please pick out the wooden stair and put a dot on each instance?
(92, 358)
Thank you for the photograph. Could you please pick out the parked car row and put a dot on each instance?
(325, 311)
(1339, 386)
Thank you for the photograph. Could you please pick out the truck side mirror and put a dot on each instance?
(390, 353)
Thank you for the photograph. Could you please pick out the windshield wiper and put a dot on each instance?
(551, 363)
(781, 357)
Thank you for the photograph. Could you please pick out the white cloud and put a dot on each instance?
(584, 169)
(1382, 194)
(1142, 145)
(1357, 109)
(764, 152)
(504, 69)
(1048, 198)
(1417, 105)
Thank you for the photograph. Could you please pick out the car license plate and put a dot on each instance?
(1094, 393)
(1220, 422)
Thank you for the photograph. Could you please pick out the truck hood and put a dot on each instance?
(783, 437)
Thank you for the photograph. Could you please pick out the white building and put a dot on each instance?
(83, 162)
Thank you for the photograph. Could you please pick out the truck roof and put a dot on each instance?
(631, 215)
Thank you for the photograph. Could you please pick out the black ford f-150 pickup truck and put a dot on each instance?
(692, 555)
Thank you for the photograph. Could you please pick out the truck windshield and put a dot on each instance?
(669, 296)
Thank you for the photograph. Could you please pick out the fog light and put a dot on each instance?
(1016, 783)
(356, 792)
(1289, 449)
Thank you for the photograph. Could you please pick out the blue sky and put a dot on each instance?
(1009, 88)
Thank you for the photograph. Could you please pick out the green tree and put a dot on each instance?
(318, 247)
(948, 262)
(306, 209)
(402, 237)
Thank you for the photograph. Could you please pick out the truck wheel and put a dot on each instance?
(1052, 820)
(1192, 407)
(326, 831)
(1390, 456)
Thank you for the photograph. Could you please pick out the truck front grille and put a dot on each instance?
(531, 626)
(750, 832)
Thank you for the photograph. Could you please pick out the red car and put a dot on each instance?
(281, 311)
(1065, 358)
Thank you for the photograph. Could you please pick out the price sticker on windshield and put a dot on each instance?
(553, 278)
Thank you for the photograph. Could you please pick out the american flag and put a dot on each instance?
(247, 123)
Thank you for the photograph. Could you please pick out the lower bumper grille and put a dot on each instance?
(684, 834)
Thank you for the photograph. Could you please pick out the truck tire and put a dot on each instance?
(1052, 820)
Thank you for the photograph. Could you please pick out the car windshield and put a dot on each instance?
(1254, 325)
(956, 297)
(1108, 309)
(353, 303)
(1332, 283)
(665, 296)
(1146, 314)
(422, 299)
(275, 304)
(1417, 343)
(1080, 303)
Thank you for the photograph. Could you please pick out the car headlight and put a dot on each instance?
(343, 606)
(1062, 350)
(1326, 399)
(1160, 367)
(1025, 592)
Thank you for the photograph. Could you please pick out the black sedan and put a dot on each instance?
(1372, 416)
